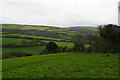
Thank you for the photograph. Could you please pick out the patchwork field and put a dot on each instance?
(13, 40)
(23, 44)
(62, 65)
(33, 50)
(67, 30)
(63, 44)
(15, 26)
(31, 36)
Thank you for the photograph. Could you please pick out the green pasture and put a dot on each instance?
(15, 26)
(65, 44)
(91, 28)
(62, 44)
(35, 28)
(22, 35)
(58, 29)
(33, 50)
(85, 27)
(13, 41)
(62, 65)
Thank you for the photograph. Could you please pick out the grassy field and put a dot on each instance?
(18, 41)
(13, 40)
(15, 26)
(91, 28)
(62, 65)
(22, 35)
(48, 28)
(63, 44)
(35, 28)
(33, 50)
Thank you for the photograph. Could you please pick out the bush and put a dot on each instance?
(57, 50)
(28, 55)
(51, 46)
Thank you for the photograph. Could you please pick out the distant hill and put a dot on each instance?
(47, 31)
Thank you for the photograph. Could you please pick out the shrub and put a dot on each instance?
(51, 46)
(28, 55)
(57, 50)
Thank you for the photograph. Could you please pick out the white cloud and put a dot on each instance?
(60, 12)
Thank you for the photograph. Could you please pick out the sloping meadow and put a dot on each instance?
(62, 65)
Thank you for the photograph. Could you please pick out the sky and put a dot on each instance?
(61, 13)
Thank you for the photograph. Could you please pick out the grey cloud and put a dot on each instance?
(60, 12)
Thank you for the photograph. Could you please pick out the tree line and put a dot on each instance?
(107, 41)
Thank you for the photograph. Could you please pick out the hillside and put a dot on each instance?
(49, 29)
(62, 65)
(23, 38)
(30, 51)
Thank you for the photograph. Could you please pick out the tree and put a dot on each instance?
(110, 39)
(51, 46)
(110, 33)
(78, 41)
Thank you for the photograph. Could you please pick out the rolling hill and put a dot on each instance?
(62, 65)
(64, 31)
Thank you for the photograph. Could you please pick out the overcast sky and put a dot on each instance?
(60, 12)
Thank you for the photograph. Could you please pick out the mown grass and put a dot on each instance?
(33, 50)
(62, 65)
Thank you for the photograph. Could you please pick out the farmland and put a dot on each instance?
(68, 30)
(31, 36)
(63, 44)
(13, 40)
(35, 50)
(39, 51)
(62, 65)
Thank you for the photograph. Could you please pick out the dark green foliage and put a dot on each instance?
(109, 40)
(80, 48)
(28, 55)
(79, 42)
(110, 33)
(51, 46)
(13, 54)
(57, 50)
